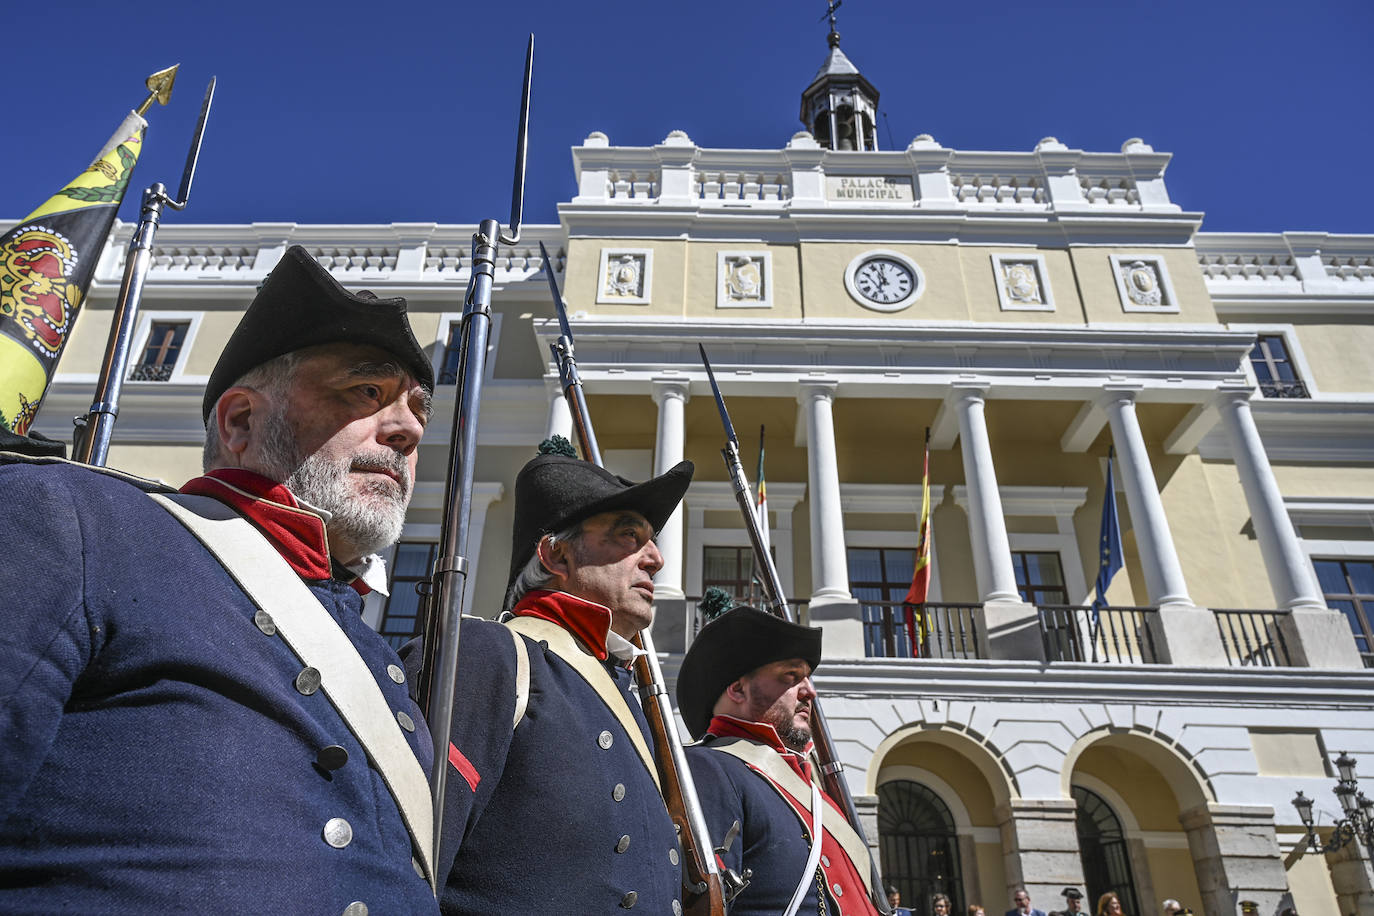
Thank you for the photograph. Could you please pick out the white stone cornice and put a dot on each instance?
(1036, 502)
(1307, 430)
(719, 496)
(886, 358)
(882, 498)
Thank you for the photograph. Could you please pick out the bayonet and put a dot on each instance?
(448, 581)
(95, 428)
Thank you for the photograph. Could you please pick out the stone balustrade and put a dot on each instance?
(1286, 264)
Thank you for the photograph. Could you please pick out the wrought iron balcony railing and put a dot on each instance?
(1116, 635)
(150, 372)
(930, 630)
(1252, 638)
(1281, 389)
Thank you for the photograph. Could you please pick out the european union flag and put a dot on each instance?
(1109, 558)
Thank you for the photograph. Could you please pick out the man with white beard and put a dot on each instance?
(194, 714)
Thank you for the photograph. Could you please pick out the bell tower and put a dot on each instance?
(840, 107)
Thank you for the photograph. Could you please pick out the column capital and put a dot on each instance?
(1119, 392)
(813, 389)
(663, 388)
(968, 390)
(1234, 394)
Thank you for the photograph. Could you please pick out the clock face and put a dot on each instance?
(884, 280)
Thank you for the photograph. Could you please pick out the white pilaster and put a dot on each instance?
(987, 527)
(1290, 572)
(559, 421)
(829, 569)
(1163, 574)
(671, 398)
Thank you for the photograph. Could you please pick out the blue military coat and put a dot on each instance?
(558, 813)
(155, 755)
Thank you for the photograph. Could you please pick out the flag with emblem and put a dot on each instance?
(917, 618)
(1109, 558)
(46, 263)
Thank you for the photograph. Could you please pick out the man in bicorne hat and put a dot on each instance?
(184, 729)
(553, 803)
(745, 693)
(1073, 902)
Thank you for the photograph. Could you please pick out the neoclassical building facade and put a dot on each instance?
(1034, 311)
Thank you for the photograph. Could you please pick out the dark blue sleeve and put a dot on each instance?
(721, 802)
(46, 640)
(484, 704)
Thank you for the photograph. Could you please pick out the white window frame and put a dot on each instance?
(145, 328)
(719, 496)
(1289, 333)
(454, 320)
(1058, 503)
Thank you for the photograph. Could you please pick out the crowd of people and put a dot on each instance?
(1108, 904)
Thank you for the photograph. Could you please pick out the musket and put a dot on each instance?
(96, 427)
(704, 888)
(831, 769)
(448, 581)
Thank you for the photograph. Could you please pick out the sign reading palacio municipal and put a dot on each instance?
(868, 187)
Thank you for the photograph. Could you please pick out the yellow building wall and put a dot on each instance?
(668, 277)
(1340, 356)
(1309, 880)
(1173, 875)
(171, 464)
(1102, 301)
(992, 875)
(1152, 803)
(703, 275)
(1334, 481)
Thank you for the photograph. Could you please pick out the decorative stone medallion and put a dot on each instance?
(625, 276)
(744, 279)
(1022, 285)
(1143, 283)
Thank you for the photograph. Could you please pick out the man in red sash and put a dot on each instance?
(745, 692)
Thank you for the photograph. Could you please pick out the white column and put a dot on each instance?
(671, 398)
(987, 526)
(1163, 575)
(560, 417)
(1290, 573)
(829, 569)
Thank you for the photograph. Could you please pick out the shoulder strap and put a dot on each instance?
(767, 763)
(319, 643)
(562, 644)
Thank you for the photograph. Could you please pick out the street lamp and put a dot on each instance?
(1359, 812)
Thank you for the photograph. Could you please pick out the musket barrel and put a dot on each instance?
(93, 445)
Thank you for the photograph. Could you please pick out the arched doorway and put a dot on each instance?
(917, 845)
(1102, 846)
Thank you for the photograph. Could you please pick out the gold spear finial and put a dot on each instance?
(159, 88)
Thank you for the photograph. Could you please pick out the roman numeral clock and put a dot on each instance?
(885, 281)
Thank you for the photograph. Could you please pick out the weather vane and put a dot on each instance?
(834, 36)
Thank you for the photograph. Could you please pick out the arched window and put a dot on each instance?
(1102, 845)
(917, 845)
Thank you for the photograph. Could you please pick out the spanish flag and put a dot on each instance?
(46, 264)
(917, 619)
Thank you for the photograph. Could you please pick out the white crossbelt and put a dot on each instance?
(318, 641)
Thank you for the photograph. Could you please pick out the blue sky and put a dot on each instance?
(405, 111)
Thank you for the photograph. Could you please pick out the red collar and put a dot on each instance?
(730, 727)
(587, 620)
(297, 533)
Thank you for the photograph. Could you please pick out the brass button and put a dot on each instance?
(338, 832)
(623, 845)
(629, 900)
(605, 740)
(356, 908)
(396, 673)
(406, 721)
(332, 757)
(672, 856)
(308, 681)
(618, 793)
(263, 621)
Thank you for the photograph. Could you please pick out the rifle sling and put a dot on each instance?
(318, 641)
(565, 646)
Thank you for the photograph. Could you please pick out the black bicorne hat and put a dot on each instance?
(731, 646)
(554, 492)
(300, 305)
(1072, 893)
